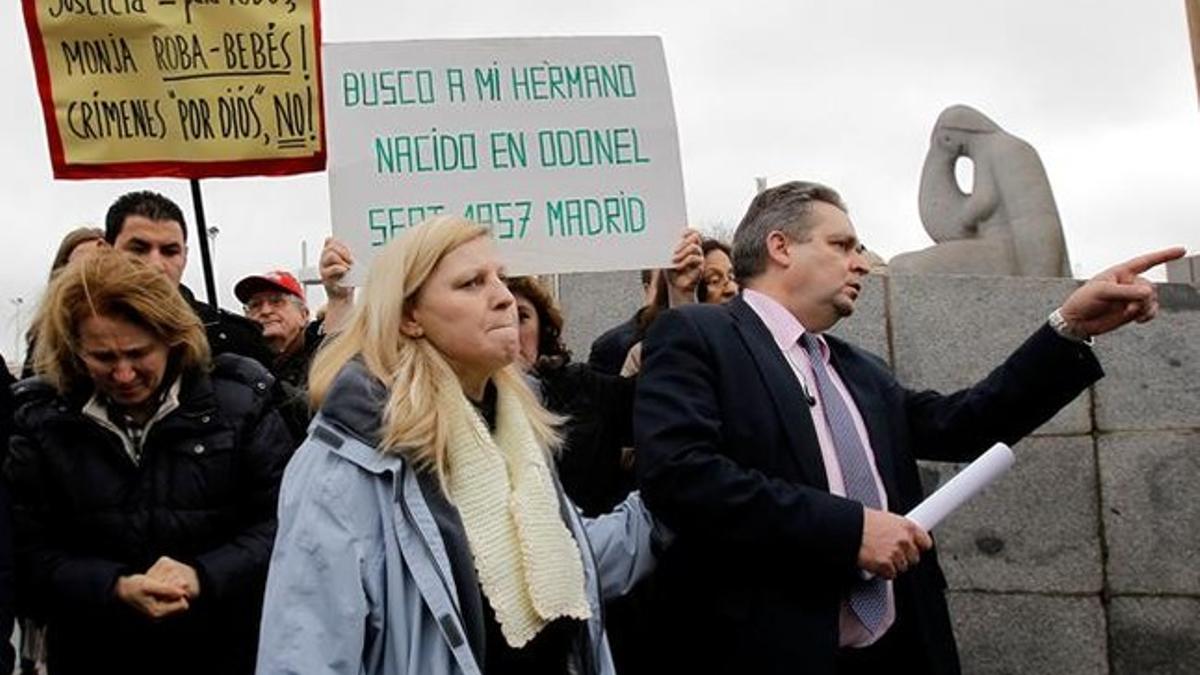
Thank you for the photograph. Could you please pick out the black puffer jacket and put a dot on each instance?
(204, 493)
(229, 333)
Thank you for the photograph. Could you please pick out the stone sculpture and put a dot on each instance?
(1008, 224)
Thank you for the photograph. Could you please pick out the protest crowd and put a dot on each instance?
(419, 477)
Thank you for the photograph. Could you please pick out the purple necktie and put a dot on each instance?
(868, 598)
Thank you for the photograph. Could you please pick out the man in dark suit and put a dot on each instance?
(781, 457)
(610, 349)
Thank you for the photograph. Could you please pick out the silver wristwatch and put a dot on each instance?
(1060, 326)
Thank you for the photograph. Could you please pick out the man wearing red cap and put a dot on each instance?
(276, 301)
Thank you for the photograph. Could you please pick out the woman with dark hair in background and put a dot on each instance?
(597, 408)
(596, 461)
(668, 288)
(717, 284)
(78, 243)
(144, 478)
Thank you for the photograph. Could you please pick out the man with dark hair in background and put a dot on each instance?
(152, 227)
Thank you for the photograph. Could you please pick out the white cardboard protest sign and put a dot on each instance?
(565, 147)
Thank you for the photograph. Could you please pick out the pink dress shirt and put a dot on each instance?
(786, 330)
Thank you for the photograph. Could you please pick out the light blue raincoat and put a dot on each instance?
(360, 578)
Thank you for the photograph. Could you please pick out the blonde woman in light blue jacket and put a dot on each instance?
(421, 526)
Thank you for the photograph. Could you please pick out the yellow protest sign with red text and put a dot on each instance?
(184, 88)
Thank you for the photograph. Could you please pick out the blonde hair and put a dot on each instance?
(416, 374)
(114, 285)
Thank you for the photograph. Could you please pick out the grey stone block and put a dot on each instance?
(1184, 271)
(1149, 483)
(1155, 636)
(867, 327)
(1034, 530)
(594, 302)
(948, 332)
(1000, 634)
(1153, 369)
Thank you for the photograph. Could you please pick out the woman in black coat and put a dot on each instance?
(7, 606)
(597, 407)
(144, 479)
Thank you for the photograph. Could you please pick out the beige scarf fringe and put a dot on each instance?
(527, 561)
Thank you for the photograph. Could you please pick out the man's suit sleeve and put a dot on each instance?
(608, 351)
(1042, 376)
(695, 488)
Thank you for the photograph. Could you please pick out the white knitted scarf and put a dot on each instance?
(527, 561)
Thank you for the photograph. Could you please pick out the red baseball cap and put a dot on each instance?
(276, 280)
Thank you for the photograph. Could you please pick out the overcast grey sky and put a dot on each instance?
(843, 92)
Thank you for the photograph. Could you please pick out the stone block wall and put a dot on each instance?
(594, 302)
(1184, 271)
(1086, 557)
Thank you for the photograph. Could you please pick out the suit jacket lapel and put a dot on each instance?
(785, 391)
(871, 407)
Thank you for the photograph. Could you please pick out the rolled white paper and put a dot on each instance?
(963, 486)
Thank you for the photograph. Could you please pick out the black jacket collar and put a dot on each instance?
(785, 391)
